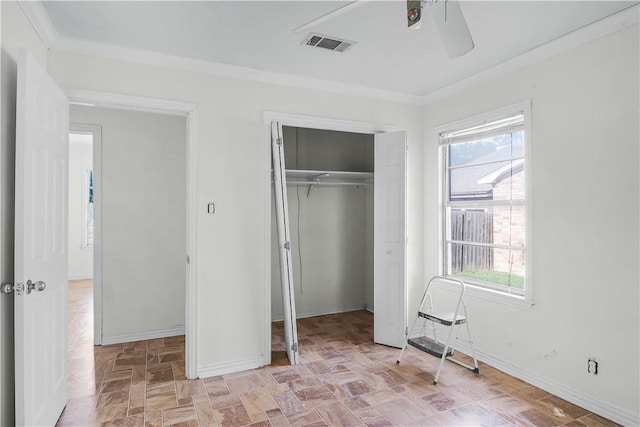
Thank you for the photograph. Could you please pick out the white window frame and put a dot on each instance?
(478, 289)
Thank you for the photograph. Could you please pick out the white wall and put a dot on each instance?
(233, 171)
(333, 243)
(80, 160)
(16, 32)
(143, 220)
(585, 223)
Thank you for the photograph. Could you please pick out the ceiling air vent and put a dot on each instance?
(330, 43)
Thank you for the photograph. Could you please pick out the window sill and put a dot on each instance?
(492, 295)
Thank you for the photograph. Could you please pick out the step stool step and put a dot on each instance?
(442, 318)
(428, 345)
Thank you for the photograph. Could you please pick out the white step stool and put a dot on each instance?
(451, 320)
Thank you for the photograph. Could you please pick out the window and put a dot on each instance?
(88, 213)
(484, 208)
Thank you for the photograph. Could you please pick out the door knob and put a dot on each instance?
(9, 288)
(18, 288)
(38, 286)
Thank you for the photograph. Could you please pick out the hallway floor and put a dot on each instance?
(344, 380)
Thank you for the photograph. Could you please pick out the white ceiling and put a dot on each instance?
(259, 35)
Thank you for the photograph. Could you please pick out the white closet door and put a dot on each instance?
(284, 243)
(390, 239)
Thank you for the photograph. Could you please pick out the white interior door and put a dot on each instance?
(284, 243)
(42, 152)
(390, 239)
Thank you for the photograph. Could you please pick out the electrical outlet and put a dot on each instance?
(592, 366)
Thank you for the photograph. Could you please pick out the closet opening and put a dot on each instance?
(330, 200)
(337, 239)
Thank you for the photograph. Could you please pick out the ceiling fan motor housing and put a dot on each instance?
(414, 13)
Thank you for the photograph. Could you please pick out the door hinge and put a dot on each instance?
(287, 245)
(188, 259)
(294, 346)
(278, 141)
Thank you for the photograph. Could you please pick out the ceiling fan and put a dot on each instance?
(446, 14)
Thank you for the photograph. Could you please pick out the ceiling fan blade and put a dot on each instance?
(329, 16)
(452, 27)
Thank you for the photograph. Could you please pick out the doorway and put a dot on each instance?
(81, 311)
(142, 223)
(84, 248)
(389, 228)
(81, 202)
(167, 109)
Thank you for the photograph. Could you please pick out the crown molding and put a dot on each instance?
(576, 38)
(40, 21)
(82, 47)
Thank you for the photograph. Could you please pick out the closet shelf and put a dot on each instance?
(312, 177)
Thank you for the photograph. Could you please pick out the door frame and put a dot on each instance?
(311, 122)
(174, 108)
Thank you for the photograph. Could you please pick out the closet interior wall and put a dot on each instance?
(331, 225)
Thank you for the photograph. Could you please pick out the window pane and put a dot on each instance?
(502, 267)
(494, 149)
(487, 166)
(471, 225)
(501, 225)
(493, 181)
(478, 182)
(510, 263)
(508, 183)
(508, 225)
(469, 258)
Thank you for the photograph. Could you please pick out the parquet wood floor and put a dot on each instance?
(344, 380)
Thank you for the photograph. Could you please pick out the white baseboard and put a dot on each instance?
(140, 336)
(314, 313)
(590, 403)
(230, 367)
